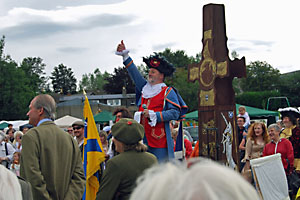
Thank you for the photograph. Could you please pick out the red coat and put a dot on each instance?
(295, 140)
(156, 136)
(285, 148)
(188, 148)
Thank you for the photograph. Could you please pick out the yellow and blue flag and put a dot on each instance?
(93, 154)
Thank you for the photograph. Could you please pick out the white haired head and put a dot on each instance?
(18, 133)
(203, 180)
(10, 188)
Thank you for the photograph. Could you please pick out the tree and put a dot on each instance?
(256, 99)
(63, 80)
(93, 82)
(15, 91)
(290, 87)
(34, 69)
(234, 54)
(179, 58)
(2, 44)
(261, 76)
(187, 90)
(119, 79)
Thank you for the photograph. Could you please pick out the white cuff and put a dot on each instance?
(137, 116)
(153, 118)
(124, 54)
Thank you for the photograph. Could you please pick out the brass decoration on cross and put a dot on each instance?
(216, 112)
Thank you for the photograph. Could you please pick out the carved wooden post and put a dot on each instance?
(217, 112)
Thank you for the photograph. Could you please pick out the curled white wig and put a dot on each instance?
(10, 188)
(203, 180)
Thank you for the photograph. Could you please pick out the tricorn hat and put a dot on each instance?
(128, 131)
(160, 63)
(289, 111)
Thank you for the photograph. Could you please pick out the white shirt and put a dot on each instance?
(10, 150)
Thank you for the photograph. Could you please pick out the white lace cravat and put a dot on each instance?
(150, 91)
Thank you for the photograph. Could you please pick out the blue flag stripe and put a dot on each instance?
(179, 142)
(92, 145)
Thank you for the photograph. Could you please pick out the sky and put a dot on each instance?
(83, 34)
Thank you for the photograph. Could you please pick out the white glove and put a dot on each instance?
(123, 53)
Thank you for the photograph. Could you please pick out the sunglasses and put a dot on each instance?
(69, 130)
(77, 127)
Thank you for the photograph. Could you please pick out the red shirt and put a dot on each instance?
(285, 148)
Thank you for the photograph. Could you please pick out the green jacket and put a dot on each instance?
(51, 162)
(121, 172)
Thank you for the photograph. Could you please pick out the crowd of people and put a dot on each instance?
(11, 146)
(48, 160)
(281, 137)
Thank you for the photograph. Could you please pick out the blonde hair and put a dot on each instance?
(18, 133)
(242, 108)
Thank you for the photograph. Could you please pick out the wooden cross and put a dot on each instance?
(215, 72)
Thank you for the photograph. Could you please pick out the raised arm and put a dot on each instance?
(135, 75)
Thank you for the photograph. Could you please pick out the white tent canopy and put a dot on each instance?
(16, 124)
(66, 121)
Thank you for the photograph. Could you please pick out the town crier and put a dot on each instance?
(158, 104)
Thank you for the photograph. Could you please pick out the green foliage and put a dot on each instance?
(261, 76)
(93, 82)
(144, 70)
(119, 79)
(256, 99)
(63, 80)
(187, 90)
(236, 84)
(178, 58)
(234, 54)
(2, 44)
(290, 87)
(34, 69)
(15, 92)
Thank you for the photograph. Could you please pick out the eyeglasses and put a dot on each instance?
(77, 127)
(70, 130)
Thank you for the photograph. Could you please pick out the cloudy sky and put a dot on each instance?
(83, 34)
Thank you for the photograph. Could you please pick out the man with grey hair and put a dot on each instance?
(50, 159)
